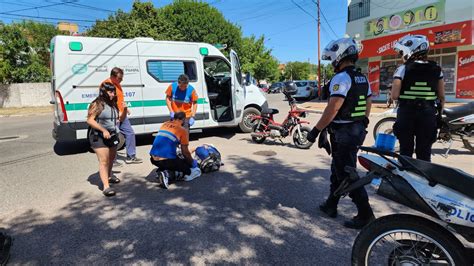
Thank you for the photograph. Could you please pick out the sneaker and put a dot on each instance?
(195, 172)
(163, 176)
(358, 223)
(328, 210)
(133, 160)
(117, 164)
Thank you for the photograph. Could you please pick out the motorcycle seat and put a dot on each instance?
(270, 111)
(459, 111)
(446, 176)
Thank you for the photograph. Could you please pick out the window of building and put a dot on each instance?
(448, 65)
(358, 10)
(387, 69)
(169, 71)
(446, 58)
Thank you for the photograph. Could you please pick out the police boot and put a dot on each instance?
(364, 217)
(329, 207)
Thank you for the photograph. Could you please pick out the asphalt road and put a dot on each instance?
(260, 208)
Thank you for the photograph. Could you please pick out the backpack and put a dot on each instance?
(208, 157)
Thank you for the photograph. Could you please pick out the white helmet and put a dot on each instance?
(411, 45)
(340, 49)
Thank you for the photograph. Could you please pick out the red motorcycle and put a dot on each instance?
(265, 127)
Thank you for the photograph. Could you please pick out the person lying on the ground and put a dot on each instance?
(163, 152)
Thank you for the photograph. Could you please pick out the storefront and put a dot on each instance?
(451, 46)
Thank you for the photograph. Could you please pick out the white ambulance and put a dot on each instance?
(80, 64)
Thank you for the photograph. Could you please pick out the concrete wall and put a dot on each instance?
(25, 95)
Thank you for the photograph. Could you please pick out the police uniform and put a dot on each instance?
(416, 115)
(347, 133)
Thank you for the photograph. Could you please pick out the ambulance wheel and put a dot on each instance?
(246, 125)
(121, 144)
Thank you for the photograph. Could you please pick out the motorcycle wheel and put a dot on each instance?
(257, 128)
(384, 125)
(403, 239)
(302, 143)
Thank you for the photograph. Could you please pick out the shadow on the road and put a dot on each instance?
(265, 213)
(94, 180)
(70, 148)
(272, 142)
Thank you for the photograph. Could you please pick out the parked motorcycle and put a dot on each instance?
(455, 124)
(265, 126)
(445, 195)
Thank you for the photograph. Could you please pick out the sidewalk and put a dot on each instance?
(26, 111)
(318, 107)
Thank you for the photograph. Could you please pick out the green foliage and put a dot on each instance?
(200, 22)
(297, 70)
(24, 52)
(144, 20)
(258, 60)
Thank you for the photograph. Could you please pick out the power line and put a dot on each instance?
(51, 18)
(289, 29)
(304, 10)
(31, 8)
(90, 7)
(325, 19)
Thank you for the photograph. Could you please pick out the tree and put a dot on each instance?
(297, 70)
(258, 60)
(144, 20)
(24, 55)
(200, 22)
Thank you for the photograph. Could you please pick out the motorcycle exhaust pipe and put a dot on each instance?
(275, 127)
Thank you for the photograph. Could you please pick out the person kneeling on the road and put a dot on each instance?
(163, 152)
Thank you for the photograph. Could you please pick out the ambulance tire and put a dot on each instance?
(121, 144)
(246, 126)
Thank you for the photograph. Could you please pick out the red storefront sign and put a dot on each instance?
(374, 77)
(450, 35)
(465, 75)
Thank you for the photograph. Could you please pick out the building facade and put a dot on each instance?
(448, 24)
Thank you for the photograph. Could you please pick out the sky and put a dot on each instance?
(289, 26)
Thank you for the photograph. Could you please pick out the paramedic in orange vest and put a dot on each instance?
(182, 97)
(116, 77)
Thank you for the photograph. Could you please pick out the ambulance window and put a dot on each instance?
(169, 71)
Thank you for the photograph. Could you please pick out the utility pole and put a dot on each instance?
(319, 51)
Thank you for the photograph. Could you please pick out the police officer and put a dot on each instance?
(346, 115)
(417, 85)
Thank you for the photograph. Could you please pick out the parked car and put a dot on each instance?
(276, 87)
(263, 87)
(306, 89)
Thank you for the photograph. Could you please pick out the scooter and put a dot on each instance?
(455, 124)
(444, 195)
(265, 126)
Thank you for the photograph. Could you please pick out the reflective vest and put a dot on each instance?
(420, 81)
(181, 96)
(355, 103)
